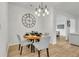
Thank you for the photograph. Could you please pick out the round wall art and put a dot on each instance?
(28, 20)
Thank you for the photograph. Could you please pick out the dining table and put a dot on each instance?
(33, 38)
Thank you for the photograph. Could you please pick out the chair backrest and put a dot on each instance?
(19, 38)
(45, 41)
(45, 34)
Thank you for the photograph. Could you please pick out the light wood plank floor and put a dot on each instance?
(61, 49)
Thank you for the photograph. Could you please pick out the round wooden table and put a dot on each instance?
(32, 38)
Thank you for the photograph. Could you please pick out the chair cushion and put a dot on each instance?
(25, 43)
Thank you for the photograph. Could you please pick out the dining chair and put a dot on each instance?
(43, 44)
(22, 43)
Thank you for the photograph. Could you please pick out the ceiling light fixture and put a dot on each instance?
(42, 10)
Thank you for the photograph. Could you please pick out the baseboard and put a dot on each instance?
(13, 44)
(53, 43)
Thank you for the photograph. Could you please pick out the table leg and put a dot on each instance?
(28, 46)
(32, 48)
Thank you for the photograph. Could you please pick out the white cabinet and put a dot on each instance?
(74, 38)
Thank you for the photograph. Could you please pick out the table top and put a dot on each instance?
(32, 37)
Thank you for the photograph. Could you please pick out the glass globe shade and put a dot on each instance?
(46, 10)
(43, 14)
(39, 10)
(47, 13)
(36, 12)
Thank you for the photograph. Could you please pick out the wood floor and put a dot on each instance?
(61, 49)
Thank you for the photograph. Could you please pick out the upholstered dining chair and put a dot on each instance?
(43, 44)
(22, 43)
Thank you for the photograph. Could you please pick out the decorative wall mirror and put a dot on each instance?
(68, 23)
(28, 20)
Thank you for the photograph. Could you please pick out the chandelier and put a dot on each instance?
(42, 10)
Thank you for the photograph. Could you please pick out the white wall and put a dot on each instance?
(73, 25)
(3, 29)
(52, 25)
(77, 25)
(44, 24)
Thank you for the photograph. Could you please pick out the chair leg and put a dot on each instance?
(28, 46)
(31, 48)
(21, 50)
(38, 53)
(19, 46)
(47, 52)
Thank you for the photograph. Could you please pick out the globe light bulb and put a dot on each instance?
(39, 10)
(46, 10)
(43, 14)
(36, 12)
(47, 13)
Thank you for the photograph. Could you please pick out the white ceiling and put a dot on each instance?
(68, 7)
